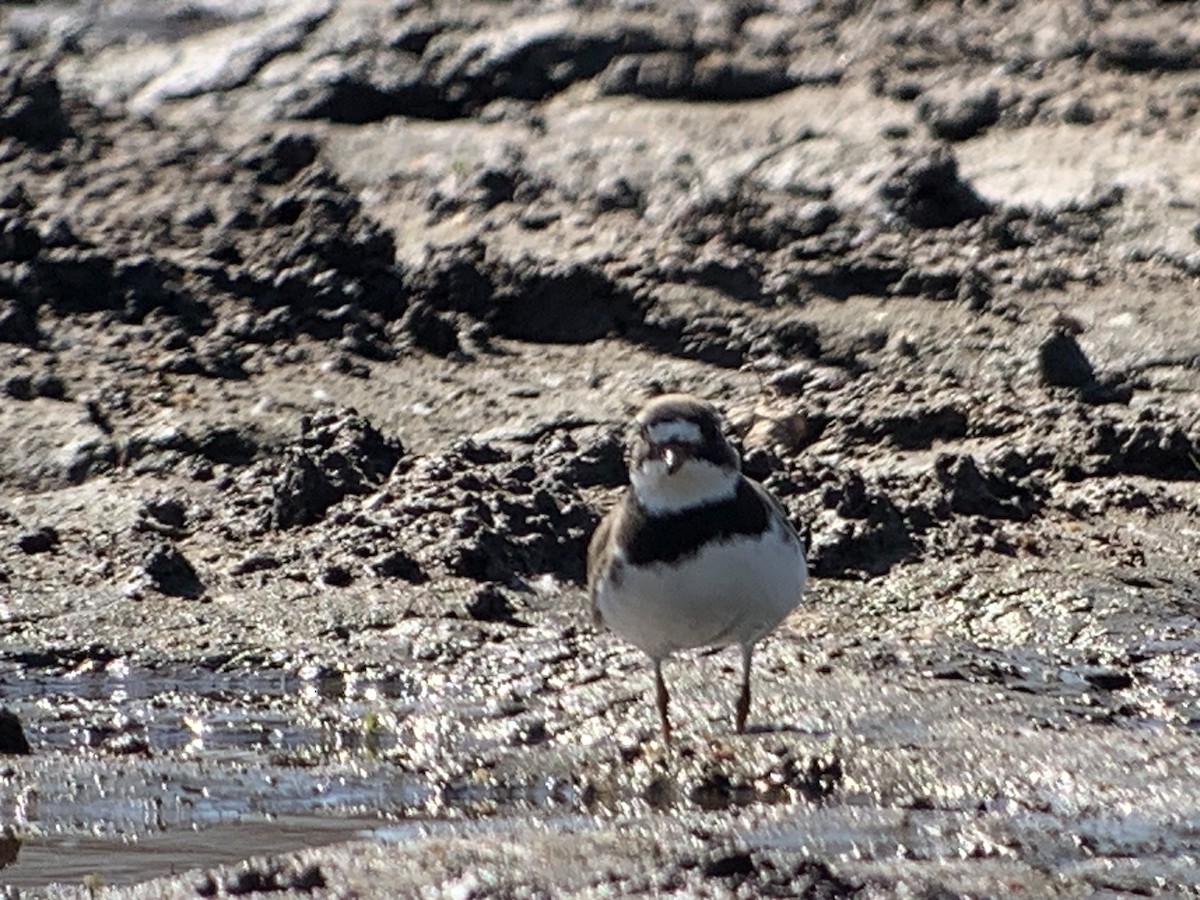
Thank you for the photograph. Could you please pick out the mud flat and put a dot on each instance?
(320, 324)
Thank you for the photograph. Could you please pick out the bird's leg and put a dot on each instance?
(743, 702)
(660, 695)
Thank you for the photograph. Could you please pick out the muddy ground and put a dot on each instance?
(319, 326)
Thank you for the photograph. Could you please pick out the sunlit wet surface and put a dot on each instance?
(145, 772)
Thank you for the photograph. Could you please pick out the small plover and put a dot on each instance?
(694, 554)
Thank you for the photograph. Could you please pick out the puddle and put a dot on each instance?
(136, 774)
(66, 860)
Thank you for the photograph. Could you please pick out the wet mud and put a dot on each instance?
(320, 326)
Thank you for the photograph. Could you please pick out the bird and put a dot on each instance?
(693, 554)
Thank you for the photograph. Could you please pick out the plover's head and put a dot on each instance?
(679, 456)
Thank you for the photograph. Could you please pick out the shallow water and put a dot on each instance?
(141, 773)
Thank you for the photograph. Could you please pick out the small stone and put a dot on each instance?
(398, 564)
(1107, 679)
(18, 386)
(1062, 362)
(732, 866)
(170, 572)
(40, 540)
(50, 386)
(337, 576)
(12, 736)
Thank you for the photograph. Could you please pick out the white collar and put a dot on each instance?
(696, 483)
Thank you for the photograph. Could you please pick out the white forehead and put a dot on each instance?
(680, 430)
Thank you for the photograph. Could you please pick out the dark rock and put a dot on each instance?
(19, 240)
(927, 192)
(31, 105)
(532, 63)
(710, 339)
(735, 865)
(337, 576)
(229, 445)
(479, 453)
(18, 386)
(12, 737)
(40, 540)
(1079, 112)
(1106, 679)
(1111, 388)
(1062, 362)
(495, 185)
(735, 276)
(726, 79)
(283, 211)
(517, 61)
(76, 281)
(545, 531)
(84, 458)
(50, 386)
(960, 117)
(1134, 52)
(18, 324)
(398, 564)
(302, 493)
(1154, 449)
(760, 223)
(170, 572)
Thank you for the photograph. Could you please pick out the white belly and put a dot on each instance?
(730, 593)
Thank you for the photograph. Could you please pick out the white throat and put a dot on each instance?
(696, 483)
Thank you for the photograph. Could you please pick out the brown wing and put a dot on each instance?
(769, 499)
(598, 556)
